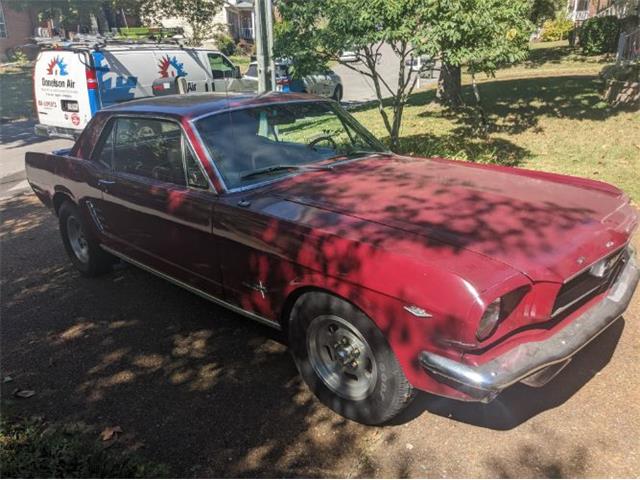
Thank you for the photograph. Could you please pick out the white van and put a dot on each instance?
(72, 82)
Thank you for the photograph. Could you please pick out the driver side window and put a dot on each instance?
(149, 148)
(220, 67)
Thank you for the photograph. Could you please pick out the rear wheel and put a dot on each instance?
(345, 360)
(337, 93)
(85, 253)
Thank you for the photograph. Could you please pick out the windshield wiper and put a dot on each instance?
(278, 168)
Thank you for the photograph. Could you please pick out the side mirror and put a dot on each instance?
(236, 72)
(169, 86)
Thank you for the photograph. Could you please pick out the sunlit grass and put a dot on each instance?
(545, 114)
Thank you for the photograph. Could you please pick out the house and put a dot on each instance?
(16, 28)
(236, 16)
(581, 10)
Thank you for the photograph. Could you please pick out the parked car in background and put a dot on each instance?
(388, 273)
(73, 81)
(423, 64)
(324, 84)
(349, 56)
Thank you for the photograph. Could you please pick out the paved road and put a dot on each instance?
(359, 88)
(17, 138)
(213, 394)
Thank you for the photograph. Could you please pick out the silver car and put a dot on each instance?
(324, 84)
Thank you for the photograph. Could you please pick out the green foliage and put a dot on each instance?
(600, 35)
(542, 10)
(35, 450)
(556, 29)
(19, 57)
(482, 34)
(71, 13)
(225, 43)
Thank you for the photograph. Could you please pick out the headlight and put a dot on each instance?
(498, 310)
(489, 319)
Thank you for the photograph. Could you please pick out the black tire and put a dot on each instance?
(96, 261)
(337, 93)
(386, 397)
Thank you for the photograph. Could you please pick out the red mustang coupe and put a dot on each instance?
(388, 273)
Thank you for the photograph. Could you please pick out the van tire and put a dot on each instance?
(83, 250)
(371, 399)
(337, 93)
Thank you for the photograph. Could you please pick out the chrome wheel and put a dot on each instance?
(341, 357)
(77, 240)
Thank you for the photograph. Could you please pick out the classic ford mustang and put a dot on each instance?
(388, 273)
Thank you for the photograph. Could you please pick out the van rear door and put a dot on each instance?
(62, 83)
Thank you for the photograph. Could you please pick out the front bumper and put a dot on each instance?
(483, 382)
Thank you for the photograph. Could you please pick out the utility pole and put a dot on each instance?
(264, 45)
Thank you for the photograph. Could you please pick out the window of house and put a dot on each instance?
(220, 66)
(150, 148)
(3, 24)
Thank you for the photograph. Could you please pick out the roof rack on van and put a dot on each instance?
(99, 41)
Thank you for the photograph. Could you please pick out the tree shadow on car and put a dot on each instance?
(520, 403)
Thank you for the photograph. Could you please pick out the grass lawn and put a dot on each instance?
(34, 448)
(545, 114)
(16, 91)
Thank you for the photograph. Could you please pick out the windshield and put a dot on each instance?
(245, 144)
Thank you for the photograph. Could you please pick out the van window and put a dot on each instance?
(220, 66)
(150, 148)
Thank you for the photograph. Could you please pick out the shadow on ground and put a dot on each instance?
(190, 384)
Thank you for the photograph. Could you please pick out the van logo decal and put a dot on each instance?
(170, 67)
(57, 62)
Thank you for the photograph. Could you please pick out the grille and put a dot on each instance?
(587, 285)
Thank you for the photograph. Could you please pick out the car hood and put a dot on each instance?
(547, 226)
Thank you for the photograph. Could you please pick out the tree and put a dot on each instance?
(542, 10)
(312, 33)
(481, 34)
(198, 14)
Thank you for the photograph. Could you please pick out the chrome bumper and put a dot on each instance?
(483, 382)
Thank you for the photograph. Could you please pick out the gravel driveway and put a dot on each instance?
(213, 394)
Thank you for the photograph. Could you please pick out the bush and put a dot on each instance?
(225, 44)
(557, 29)
(600, 35)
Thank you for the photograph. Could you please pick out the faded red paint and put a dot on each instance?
(383, 232)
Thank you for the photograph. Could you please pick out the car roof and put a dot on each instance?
(198, 104)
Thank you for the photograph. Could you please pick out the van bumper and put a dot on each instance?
(56, 132)
(535, 363)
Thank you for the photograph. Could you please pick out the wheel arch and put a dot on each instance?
(60, 196)
(294, 296)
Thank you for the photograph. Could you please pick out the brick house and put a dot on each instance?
(16, 27)
(581, 10)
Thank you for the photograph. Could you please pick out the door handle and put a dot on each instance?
(105, 184)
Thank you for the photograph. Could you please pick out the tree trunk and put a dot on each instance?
(484, 125)
(450, 85)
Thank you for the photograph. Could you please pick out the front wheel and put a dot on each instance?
(346, 361)
(84, 252)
